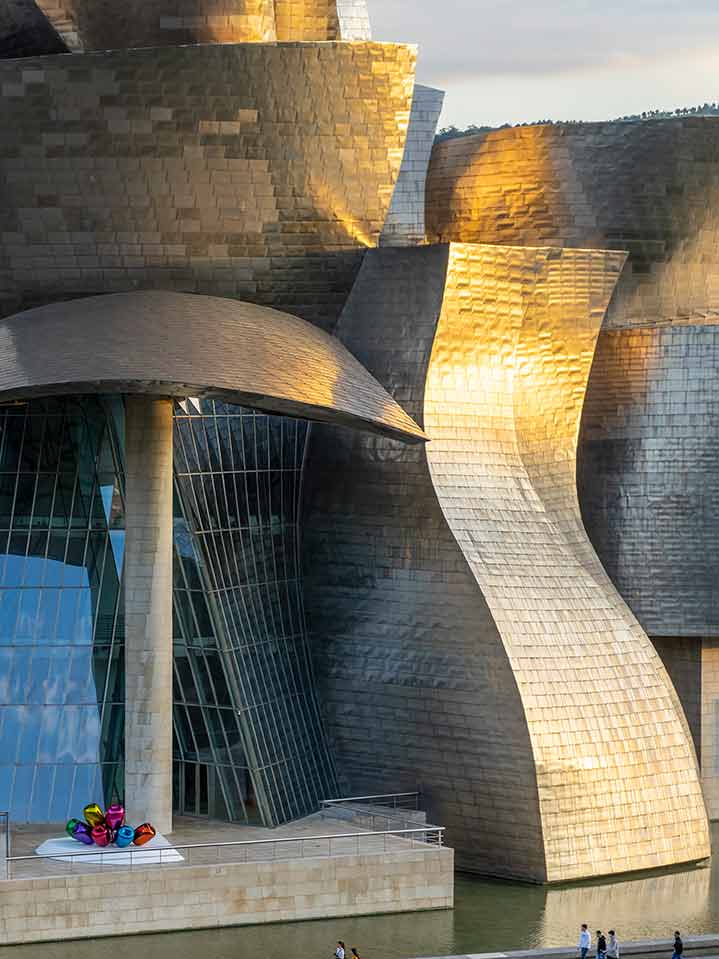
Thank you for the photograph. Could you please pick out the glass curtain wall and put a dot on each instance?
(248, 730)
(61, 622)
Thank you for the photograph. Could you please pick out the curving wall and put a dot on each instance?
(649, 188)
(117, 174)
(454, 592)
(108, 25)
(649, 468)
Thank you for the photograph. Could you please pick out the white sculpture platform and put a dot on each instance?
(157, 851)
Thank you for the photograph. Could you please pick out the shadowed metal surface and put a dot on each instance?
(170, 344)
(25, 31)
(470, 617)
(87, 25)
(650, 188)
(649, 471)
(405, 221)
(116, 175)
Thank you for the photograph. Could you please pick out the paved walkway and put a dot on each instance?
(296, 840)
(706, 947)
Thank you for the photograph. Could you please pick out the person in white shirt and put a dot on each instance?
(340, 950)
(612, 945)
(585, 941)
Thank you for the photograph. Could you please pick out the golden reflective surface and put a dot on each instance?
(201, 169)
(615, 767)
(193, 346)
(651, 189)
(86, 25)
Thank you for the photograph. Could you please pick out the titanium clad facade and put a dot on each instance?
(61, 615)
(87, 25)
(261, 189)
(649, 188)
(501, 465)
(649, 471)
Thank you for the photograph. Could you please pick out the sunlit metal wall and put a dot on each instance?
(455, 592)
(117, 175)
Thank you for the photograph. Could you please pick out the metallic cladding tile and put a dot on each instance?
(649, 471)
(200, 169)
(87, 25)
(650, 188)
(438, 620)
(193, 346)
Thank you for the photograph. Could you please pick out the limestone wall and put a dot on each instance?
(166, 898)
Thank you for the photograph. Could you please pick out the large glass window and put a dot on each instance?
(248, 732)
(61, 622)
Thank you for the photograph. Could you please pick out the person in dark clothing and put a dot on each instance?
(601, 945)
(678, 945)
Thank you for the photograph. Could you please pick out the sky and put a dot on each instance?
(511, 61)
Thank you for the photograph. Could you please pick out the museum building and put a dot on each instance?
(334, 461)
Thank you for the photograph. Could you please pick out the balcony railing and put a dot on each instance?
(225, 853)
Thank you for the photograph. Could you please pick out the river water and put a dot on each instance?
(488, 917)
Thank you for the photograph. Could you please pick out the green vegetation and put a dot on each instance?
(706, 110)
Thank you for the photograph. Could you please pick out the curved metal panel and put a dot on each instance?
(92, 25)
(649, 472)
(87, 25)
(650, 188)
(414, 681)
(259, 189)
(170, 344)
(503, 411)
(520, 624)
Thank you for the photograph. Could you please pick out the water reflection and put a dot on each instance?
(489, 916)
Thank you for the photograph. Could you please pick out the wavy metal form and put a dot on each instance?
(649, 188)
(259, 189)
(649, 472)
(87, 25)
(488, 653)
(172, 344)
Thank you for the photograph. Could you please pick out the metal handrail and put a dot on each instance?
(5, 816)
(348, 799)
(438, 830)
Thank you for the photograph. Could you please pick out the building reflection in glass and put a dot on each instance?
(61, 617)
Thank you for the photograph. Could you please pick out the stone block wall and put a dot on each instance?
(166, 898)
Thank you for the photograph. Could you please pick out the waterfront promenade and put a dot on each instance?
(695, 947)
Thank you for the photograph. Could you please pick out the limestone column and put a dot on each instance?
(710, 726)
(148, 612)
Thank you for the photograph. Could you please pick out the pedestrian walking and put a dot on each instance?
(340, 950)
(678, 945)
(612, 945)
(355, 954)
(601, 945)
(585, 941)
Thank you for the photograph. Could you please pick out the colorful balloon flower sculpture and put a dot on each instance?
(108, 828)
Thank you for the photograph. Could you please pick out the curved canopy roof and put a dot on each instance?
(177, 344)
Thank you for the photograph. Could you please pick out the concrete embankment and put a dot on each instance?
(695, 947)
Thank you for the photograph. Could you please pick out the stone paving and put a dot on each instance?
(296, 840)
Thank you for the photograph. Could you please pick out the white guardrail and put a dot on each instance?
(220, 853)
